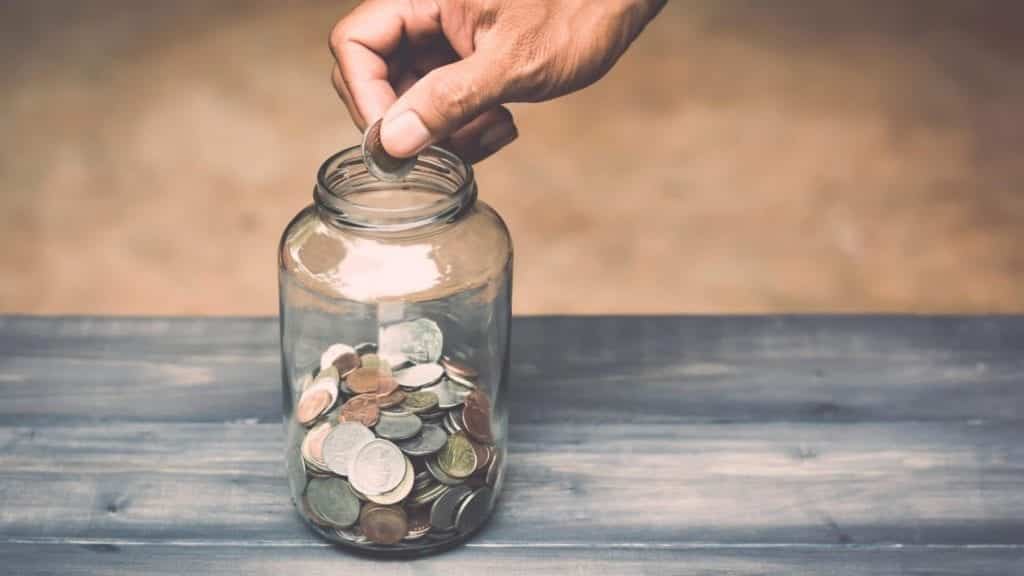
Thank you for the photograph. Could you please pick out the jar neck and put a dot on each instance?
(439, 188)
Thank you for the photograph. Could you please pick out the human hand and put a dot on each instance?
(439, 70)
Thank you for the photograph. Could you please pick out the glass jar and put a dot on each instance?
(395, 308)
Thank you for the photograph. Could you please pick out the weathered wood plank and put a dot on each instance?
(690, 368)
(570, 483)
(89, 557)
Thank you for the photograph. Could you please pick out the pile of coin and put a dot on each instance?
(399, 445)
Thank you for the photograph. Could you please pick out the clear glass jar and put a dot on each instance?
(395, 309)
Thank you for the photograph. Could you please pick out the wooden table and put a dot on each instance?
(714, 445)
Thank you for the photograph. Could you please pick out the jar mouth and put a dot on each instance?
(439, 188)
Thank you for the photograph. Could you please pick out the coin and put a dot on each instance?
(420, 340)
(312, 446)
(373, 361)
(314, 402)
(473, 510)
(341, 445)
(383, 524)
(462, 382)
(458, 369)
(353, 534)
(442, 512)
(453, 421)
(400, 492)
(484, 453)
(326, 378)
(378, 467)
(419, 522)
(419, 375)
(362, 409)
(439, 474)
(395, 398)
(378, 162)
(476, 417)
(365, 380)
(457, 459)
(420, 401)
(429, 494)
(430, 439)
(447, 395)
(333, 352)
(386, 385)
(398, 427)
(396, 361)
(333, 501)
(366, 348)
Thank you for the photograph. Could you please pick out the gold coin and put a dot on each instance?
(420, 401)
(457, 458)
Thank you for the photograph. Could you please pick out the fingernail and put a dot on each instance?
(404, 135)
(497, 136)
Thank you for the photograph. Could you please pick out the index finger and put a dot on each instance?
(363, 41)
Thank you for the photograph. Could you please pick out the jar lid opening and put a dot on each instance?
(437, 189)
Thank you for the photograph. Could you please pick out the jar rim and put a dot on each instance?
(344, 174)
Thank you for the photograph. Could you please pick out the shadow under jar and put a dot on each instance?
(395, 309)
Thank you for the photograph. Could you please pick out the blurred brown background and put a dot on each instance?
(743, 156)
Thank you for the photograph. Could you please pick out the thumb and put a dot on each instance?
(440, 103)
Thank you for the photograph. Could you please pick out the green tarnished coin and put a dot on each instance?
(398, 426)
(332, 500)
(457, 458)
(419, 402)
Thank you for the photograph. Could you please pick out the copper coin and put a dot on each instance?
(378, 162)
(395, 398)
(363, 409)
(383, 524)
(312, 404)
(459, 369)
(476, 417)
(419, 522)
(346, 363)
(386, 385)
(364, 380)
(484, 452)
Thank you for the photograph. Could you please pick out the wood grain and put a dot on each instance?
(733, 445)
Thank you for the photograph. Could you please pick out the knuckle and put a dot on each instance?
(454, 96)
(337, 37)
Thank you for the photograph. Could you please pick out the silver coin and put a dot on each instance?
(439, 474)
(331, 354)
(448, 395)
(429, 494)
(419, 340)
(378, 467)
(430, 439)
(352, 534)
(460, 380)
(419, 375)
(400, 492)
(398, 426)
(453, 420)
(442, 512)
(331, 500)
(473, 510)
(396, 361)
(342, 445)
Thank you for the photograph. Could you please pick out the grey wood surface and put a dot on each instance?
(718, 445)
